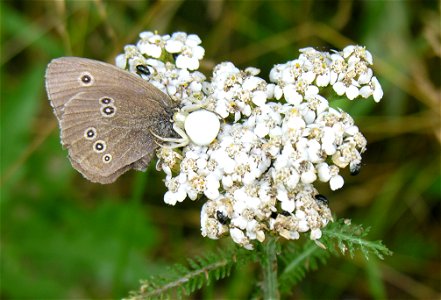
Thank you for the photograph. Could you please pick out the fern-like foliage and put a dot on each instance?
(348, 237)
(182, 279)
(295, 259)
(338, 238)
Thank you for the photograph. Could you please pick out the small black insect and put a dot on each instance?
(354, 169)
(321, 199)
(285, 213)
(223, 219)
(143, 70)
(274, 215)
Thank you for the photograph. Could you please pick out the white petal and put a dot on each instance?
(365, 77)
(274, 74)
(278, 92)
(309, 116)
(352, 92)
(324, 79)
(336, 182)
(378, 91)
(211, 193)
(237, 116)
(314, 151)
(182, 61)
(228, 165)
(339, 87)
(252, 71)
(146, 34)
(221, 109)
(259, 98)
(261, 130)
(251, 83)
(174, 46)
(315, 234)
(121, 61)
(368, 56)
(181, 194)
(308, 177)
(308, 77)
(192, 194)
(329, 148)
(293, 180)
(366, 91)
(170, 198)
(351, 130)
(293, 97)
(303, 226)
(237, 235)
(348, 50)
(333, 78)
(287, 76)
(270, 90)
(323, 172)
(171, 89)
(150, 49)
(339, 160)
(198, 52)
(193, 40)
(282, 194)
(288, 205)
(311, 91)
(227, 181)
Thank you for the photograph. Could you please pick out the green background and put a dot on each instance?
(63, 237)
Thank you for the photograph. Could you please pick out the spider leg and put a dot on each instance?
(174, 142)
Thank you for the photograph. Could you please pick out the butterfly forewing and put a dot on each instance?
(65, 78)
(106, 116)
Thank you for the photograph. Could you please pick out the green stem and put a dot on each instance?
(269, 268)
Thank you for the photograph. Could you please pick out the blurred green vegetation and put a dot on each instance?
(64, 237)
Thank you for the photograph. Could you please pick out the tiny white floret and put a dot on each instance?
(336, 182)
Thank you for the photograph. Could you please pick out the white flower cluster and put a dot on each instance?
(348, 72)
(275, 142)
(169, 63)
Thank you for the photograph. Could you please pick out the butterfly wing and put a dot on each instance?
(106, 116)
(64, 79)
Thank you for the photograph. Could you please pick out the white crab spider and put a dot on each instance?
(193, 124)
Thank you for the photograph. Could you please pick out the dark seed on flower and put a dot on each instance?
(354, 169)
(321, 199)
(143, 70)
(223, 219)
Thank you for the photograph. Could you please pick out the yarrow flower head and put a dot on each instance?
(275, 140)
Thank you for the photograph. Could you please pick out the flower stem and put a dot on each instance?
(269, 268)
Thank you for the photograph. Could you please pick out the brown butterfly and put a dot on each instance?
(107, 116)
